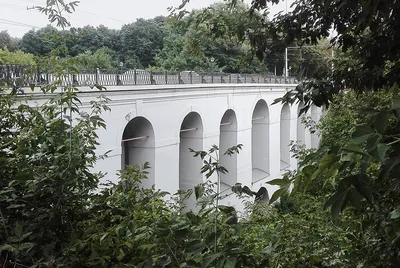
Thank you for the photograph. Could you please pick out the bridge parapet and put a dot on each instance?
(25, 75)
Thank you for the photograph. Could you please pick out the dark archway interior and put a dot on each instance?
(191, 136)
(227, 139)
(138, 146)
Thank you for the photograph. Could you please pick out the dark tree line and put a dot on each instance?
(204, 40)
(135, 44)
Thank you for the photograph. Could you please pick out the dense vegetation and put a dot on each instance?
(169, 44)
(52, 216)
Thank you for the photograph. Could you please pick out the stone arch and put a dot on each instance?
(260, 142)
(191, 136)
(227, 139)
(138, 146)
(285, 137)
(184, 114)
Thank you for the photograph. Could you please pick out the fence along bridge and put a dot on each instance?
(23, 75)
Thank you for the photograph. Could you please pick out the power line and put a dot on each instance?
(16, 23)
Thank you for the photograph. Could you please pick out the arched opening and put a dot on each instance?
(260, 142)
(227, 139)
(315, 116)
(138, 144)
(191, 136)
(285, 137)
(301, 127)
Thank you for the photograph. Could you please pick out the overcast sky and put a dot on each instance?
(15, 17)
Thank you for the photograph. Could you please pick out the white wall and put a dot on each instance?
(166, 107)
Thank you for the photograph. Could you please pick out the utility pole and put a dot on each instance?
(286, 52)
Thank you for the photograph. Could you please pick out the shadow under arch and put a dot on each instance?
(227, 139)
(260, 156)
(191, 136)
(138, 147)
(285, 137)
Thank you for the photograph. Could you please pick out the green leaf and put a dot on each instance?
(278, 193)
(13, 206)
(381, 122)
(232, 219)
(226, 209)
(337, 203)
(362, 133)
(230, 262)
(210, 259)
(362, 184)
(279, 182)
(326, 161)
(355, 198)
(396, 103)
(379, 153)
(389, 165)
(103, 237)
(395, 214)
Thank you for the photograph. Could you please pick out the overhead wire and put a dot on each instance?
(16, 23)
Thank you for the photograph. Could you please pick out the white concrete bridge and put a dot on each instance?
(156, 118)
(159, 123)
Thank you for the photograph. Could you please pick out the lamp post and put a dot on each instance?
(121, 64)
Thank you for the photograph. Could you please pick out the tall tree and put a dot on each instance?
(40, 42)
(207, 38)
(142, 40)
(6, 41)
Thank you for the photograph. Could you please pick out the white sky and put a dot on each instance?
(15, 17)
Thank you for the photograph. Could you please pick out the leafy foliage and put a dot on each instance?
(101, 58)
(17, 57)
(142, 39)
(357, 165)
(8, 42)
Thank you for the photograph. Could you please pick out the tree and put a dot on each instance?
(142, 40)
(40, 42)
(174, 56)
(17, 57)
(6, 41)
(192, 46)
(101, 58)
(91, 39)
